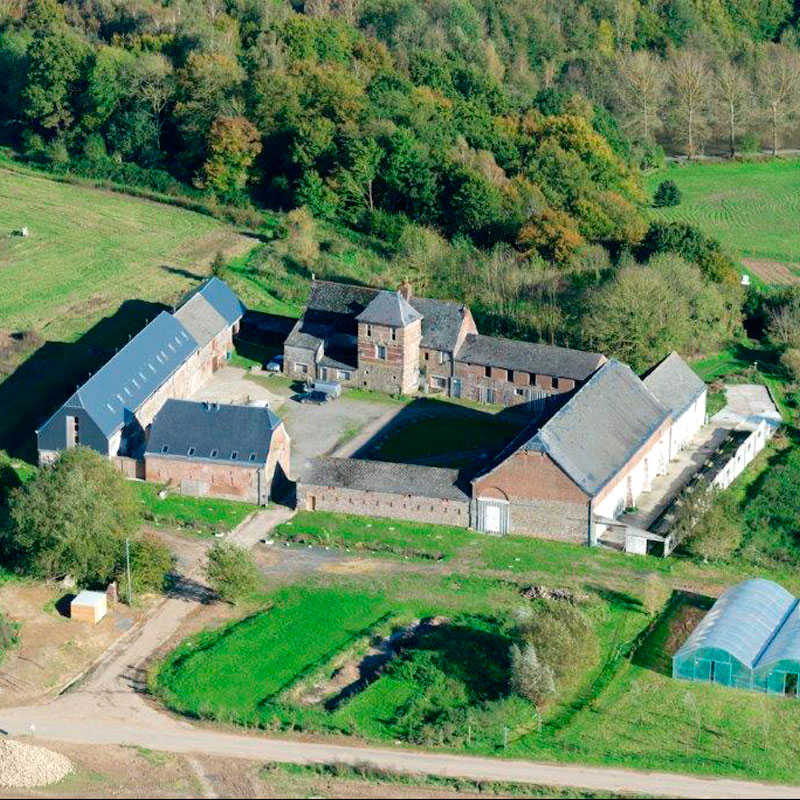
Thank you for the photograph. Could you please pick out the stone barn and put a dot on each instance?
(171, 357)
(213, 450)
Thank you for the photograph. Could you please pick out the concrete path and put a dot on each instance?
(746, 405)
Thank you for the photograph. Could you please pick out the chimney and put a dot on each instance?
(406, 290)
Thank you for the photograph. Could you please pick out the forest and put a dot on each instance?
(495, 148)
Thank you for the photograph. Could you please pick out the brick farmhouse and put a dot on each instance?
(170, 359)
(397, 343)
(598, 438)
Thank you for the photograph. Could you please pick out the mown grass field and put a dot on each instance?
(89, 250)
(203, 516)
(752, 208)
(450, 688)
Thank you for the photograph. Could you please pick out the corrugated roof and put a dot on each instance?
(389, 308)
(195, 431)
(201, 319)
(743, 622)
(601, 427)
(117, 390)
(383, 476)
(674, 383)
(533, 357)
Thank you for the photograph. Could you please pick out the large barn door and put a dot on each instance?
(493, 516)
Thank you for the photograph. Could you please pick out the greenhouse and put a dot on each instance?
(750, 639)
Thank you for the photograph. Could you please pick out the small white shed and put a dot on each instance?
(89, 607)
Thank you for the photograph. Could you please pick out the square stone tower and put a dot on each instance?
(389, 334)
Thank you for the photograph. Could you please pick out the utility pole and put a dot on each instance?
(128, 567)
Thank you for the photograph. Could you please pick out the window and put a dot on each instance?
(234, 455)
(213, 454)
(380, 351)
(190, 451)
(393, 334)
(438, 382)
(427, 355)
(441, 356)
(344, 375)
(487, 372)
(511, 375)
(554, 382)
(302, 368)
(165, 448)
(369, 331)
(519, 393)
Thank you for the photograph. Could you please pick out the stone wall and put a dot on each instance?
(248, 482)
(543, 500)
(430, 510)
(510, 387)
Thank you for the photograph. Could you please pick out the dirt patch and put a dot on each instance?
(553, 593)
(774, 272)
(357, 672)
(52, 648)
(685, 620)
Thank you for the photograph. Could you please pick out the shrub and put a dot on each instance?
(530, 677)
(94, 148)
(302, 236)
(231, 571)
(151, 563)
(562, 635)
(667, 194)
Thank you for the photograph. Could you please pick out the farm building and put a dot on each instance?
(208, 449)
(750, 639)
(397, 343)
(173, 356)
(677, 387)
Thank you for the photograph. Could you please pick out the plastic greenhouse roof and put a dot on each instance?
(748, 621)
(785, 646)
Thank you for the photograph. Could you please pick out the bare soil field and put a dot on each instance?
(52, 648)
(773, 272)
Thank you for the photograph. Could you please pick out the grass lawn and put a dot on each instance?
(442, 433)
(450, 688)
(203, 515)
(90, 249)
(752, 208)
(376, 535)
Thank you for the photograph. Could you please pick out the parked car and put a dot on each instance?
(318, 398)
(275, 364)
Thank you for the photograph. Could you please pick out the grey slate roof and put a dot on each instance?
(306, 335)
(441, 323)
(536, 358)
(752, 621)
(674, 383)
(222, 299)
(389, 308)
(201, 319)
(117, 390)
(601, 427)
(334, 307)
(383, 476)
(212, 428)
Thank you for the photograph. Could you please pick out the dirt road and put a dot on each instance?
(106, 708)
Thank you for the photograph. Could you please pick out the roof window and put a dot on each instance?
(234, 455)
(252, 456)
(164, 448)
(213, 453)
(190, 451)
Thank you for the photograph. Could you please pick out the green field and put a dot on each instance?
(89, 250)
(752, 208)
(450, 688)
(204, 516)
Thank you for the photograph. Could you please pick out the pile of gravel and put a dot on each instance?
(25, 766)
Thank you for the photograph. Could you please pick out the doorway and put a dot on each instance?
(790, 684)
